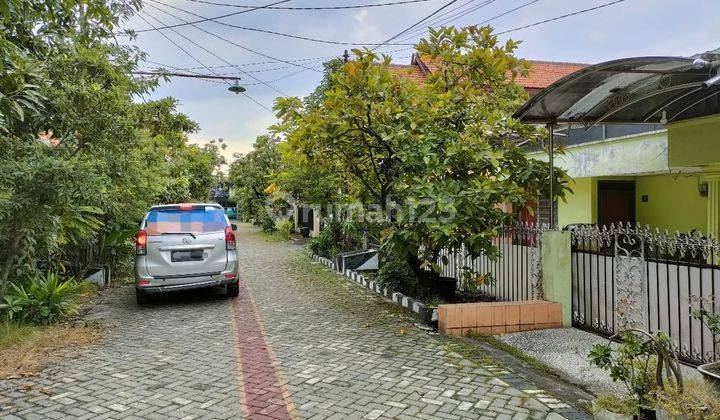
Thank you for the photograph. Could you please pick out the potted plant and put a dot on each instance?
(645, 363)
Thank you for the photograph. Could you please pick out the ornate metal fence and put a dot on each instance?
(647, 279)
(515, 275)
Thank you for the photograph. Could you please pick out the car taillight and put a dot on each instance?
(229, 238)
(141, 243)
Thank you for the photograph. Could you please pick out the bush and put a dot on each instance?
(323, 244)
(395, 274)
(615, 404)
(267, 223)
(283, 228)
(46, 300)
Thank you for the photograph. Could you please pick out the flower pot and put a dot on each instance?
(647, 414)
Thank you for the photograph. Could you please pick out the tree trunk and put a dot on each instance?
(9, 261)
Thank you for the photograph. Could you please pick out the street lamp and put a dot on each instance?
(236, 88)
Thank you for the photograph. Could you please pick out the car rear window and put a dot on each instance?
(195, 220)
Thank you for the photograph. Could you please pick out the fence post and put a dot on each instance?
(556, 274)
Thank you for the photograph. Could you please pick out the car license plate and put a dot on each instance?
(192, 255)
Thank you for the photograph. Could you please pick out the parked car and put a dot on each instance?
(231, 212)
(185, 246)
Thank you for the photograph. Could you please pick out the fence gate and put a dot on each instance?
(632, 276)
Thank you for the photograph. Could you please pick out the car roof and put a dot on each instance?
(164, 206)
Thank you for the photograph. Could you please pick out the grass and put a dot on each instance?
(525, 358)
(25, 349)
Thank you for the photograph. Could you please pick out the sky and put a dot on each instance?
(629, 28)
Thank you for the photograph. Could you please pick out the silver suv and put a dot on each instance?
(185, 246)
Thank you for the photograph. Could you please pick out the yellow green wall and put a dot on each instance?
(694, 142)
(674, 202)
(581, 205)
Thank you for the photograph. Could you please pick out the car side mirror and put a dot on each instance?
(234, 226)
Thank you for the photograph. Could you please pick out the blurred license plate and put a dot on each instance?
(194, 255)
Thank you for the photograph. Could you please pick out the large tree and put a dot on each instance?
(440, 157)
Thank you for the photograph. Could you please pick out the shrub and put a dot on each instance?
(615, 404)
(697, 400)
(323, 244)
(283, 228)
(267, 223)
(395, 274)
(46, 300)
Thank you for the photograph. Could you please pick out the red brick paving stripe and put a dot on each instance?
(263, 393)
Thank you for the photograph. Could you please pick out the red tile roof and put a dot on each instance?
(545, 73)
(542, 73)
(409, 71)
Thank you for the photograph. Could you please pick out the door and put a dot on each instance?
(616, 202)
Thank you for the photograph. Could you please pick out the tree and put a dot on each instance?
(438, 158)
(252, 175)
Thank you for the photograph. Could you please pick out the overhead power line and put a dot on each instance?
(218, 17)
(443, 21)
(448, 4)
(266, 31)
(211, 53)
(190, 75)
(357, 6)
(560, 17)
(233, 42)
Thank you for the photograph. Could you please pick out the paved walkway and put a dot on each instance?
(299, 342)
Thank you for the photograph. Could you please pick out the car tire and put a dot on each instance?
(233, 290)
(141, 297)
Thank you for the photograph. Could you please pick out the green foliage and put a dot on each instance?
(251, 176)
(324, 244)
(46, 300)
(79, 159)
(284, 228)
(437, 158)
(396, 274)
(615, 404)
(640, 361)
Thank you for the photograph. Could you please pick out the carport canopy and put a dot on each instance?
(631, 90)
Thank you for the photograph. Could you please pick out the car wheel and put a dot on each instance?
(141, 297)
(233, 290)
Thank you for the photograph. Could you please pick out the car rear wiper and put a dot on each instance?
(179, 233)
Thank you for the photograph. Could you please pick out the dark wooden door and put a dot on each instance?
(616, 202)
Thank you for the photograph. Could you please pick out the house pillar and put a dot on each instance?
(713, 206)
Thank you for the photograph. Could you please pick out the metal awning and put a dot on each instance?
(631, 90)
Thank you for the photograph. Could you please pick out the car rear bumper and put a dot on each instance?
(199, 284)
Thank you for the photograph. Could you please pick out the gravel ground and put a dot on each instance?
(566, 350)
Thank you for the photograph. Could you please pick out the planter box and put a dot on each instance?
(711, 371)
(458, 319)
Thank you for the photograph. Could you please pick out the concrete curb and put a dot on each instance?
(424, 312)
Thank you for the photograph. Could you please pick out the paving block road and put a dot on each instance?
(299, 342)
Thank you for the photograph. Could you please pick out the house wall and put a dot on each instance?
(581, 205)
(694, 142)
(674, 202)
